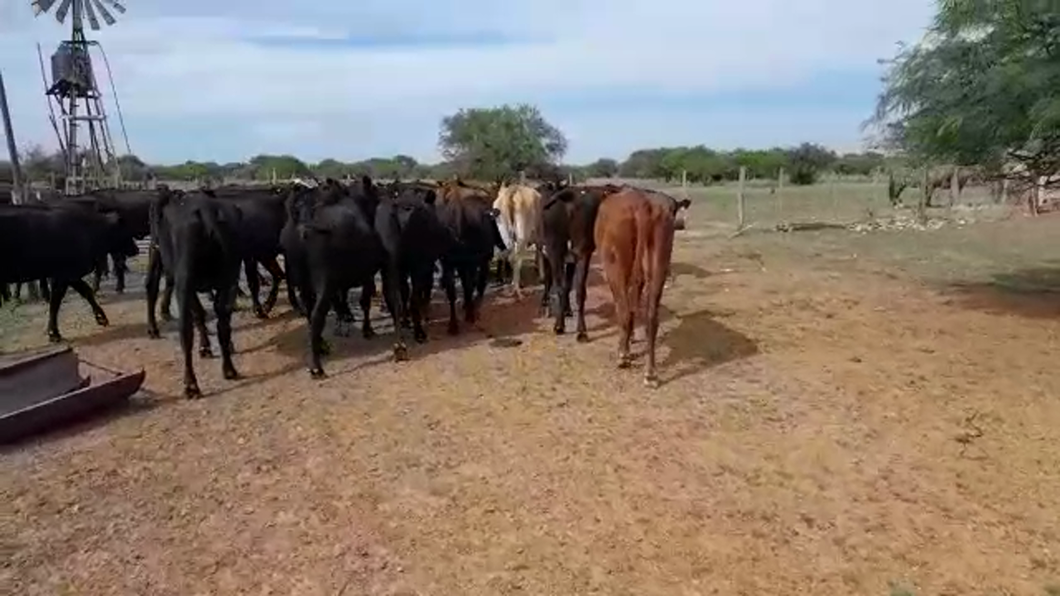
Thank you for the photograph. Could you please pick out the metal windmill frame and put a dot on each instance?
(90, 159)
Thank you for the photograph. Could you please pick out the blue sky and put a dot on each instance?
(223, 81)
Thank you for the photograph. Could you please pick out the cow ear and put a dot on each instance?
(430, 197)
(685, 204)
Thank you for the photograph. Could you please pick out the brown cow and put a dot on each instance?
(634, 234)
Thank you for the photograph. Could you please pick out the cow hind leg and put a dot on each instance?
(343, 315)
(199, 314)
(581, 275)
(618, 279)
(86, 292)
(422, 282)
(317, 319)
(450, 295)
(120, 269)
(55, 300)
(367, 293)
(250, 268)
(274, 290)
(222, 309)
(186, 297)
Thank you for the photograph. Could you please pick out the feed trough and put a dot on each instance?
(44, 389)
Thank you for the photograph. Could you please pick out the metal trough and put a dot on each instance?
(44, 389)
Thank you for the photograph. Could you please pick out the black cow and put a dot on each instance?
(262, 220)
(133, 206)
(194, 241)
(330, 245)
(416, 239)
(473, 224)
(567, 220)
(60, 243)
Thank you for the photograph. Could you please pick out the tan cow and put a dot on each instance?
(519, 222)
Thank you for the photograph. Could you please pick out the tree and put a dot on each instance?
(38, 164)
(496, 143)
(807, 161)
(132, 167)
(980, 88)
(604, 167)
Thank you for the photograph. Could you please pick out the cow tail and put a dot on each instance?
(641, 241)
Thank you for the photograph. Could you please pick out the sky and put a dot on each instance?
(223, 81)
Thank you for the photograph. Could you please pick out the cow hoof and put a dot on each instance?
(154, 334)
(624, 361)
(401, 353)
(119, 291)
(583, 337)
(454, 329)
(231, 374)
(651, 381)
(260, 313)
(367, 332)
(192, 392)
(205, 352)
(317, 373)
(420, 336)
(101, 320)
(55, 338)
(559, 329)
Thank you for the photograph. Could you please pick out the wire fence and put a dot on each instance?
(856, 203)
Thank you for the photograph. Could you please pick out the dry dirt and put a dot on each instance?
(819, 432)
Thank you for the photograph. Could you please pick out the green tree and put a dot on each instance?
(980, 88)
(807, 161)
(284, 166)
(495, 143)
(604, 167)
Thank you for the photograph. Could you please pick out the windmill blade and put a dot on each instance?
(116, 5)
(64, 8)
(40, 6)
(103, 12)
(91, 14)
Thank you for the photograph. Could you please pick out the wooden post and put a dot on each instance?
(739, 199)
(780, 195)
(19, 191)
(955, 185)
(684, 181)
(925, 193)
(835, 196)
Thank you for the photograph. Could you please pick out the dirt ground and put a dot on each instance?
(829, 424)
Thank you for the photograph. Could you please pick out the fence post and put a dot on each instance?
(835, 196)
(739, 198)
(955, 185)
(925, 194)
(780, 195)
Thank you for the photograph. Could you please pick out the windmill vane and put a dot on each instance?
(90, 10)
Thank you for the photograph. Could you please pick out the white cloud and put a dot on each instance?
(199, 60)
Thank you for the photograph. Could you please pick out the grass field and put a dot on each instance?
(842, 413)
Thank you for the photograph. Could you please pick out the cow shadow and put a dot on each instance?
(1031, 293)
(141, 403)
(679, 269)
(700, 342)
(168, 329)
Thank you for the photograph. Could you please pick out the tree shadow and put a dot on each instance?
(142, 402)
(1032, 293)
(699, 342)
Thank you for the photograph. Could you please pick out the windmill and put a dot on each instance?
(90, 159)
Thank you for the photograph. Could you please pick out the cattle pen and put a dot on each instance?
(860, 408)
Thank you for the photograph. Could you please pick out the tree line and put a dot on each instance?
(700, 165)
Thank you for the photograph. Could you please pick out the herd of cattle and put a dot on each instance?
(335, 236)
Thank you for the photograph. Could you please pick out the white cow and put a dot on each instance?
(519, 222)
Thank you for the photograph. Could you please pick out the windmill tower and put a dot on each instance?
(83, 133)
